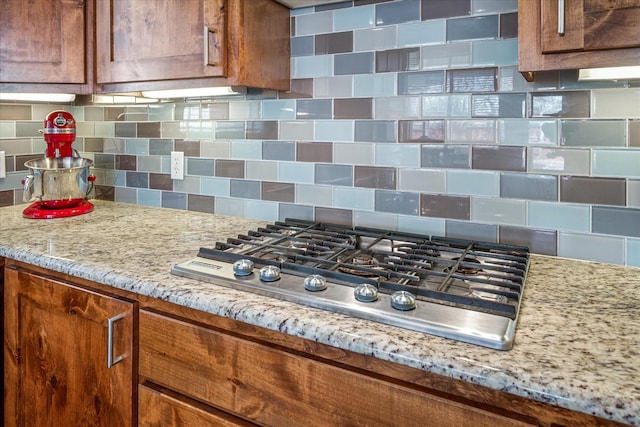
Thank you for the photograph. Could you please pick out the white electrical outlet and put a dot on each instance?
(3, 165)
(177, 165)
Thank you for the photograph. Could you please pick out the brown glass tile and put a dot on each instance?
(15, 112)
(21, 159)
(229, 168)
(317, 152)
(126, 162)
(6, 198)
(502, 158)
(341, 42)
(353, 108)
(398, 60)
(561, 104)
(278, 192)
(300, 88)
(601, 191)
(113, 114)
(443, 206)
(94, 145)
(159, 181)
(105, 192)
(189, 148)
(336, 216)
(93, 114)
(538, 241)
(262, 129)
(634, 133)
(421, 131)
(375, 177)
(436, 9)
(126, 130)
(509, 25)
(198, 203)
(148, 130)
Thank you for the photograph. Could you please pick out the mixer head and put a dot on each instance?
(59, 133)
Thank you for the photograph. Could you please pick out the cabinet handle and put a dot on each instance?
(206, 46)
(110, 359)
(561, 18)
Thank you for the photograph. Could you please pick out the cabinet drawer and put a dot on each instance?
(159, 407)
(271, 386)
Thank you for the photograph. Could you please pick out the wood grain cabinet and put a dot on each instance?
(209, 42)
(68, 353)
(577, 34)
(265, 384)
(46, 43)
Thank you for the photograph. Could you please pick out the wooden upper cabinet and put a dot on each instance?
(172, 44)
(44, 42)
(57, 339)
(583, 34)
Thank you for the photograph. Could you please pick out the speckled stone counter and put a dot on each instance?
(577, 341)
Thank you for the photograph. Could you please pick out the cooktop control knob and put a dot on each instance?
(366, 292)
(243, 267)
(269, 273)
(315, 283)
(403, 300)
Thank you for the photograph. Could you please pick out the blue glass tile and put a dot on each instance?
(354, 18)
(477, 27)
(334, 174)
(397, 202)
(302, 46)
(353, 63)
(397, 12)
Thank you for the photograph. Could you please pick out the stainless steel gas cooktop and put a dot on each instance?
(460, 289)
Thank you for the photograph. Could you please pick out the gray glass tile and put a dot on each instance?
(104, 161)
(633, 196)
(527, 131)
(161, 147)
(566, 161)
(262, 129)
(493, 6)
(472, 80)
(559, 216)
(406, 59)
(397, 202)
(500, 158)
(229, 168)
(542, 242)
(423, 180)
(505, 105)
(125, 130)
(375, 177)
(340, 42)
(445, 156)
(287, 210)
(317, 152)
(302, 46)
(617, 163)
(230, 130)
(591, 247)
(149, 197)
(375, 131)
(477, 27)
(434, 9)
(443, 206)
(509, 25)
(29, 129)
(198, 203)
(312, 23)
(421, 33)
(446, 105)
(450, 55)
(474, 183)
(245, 189)
(398, 12)
(560, 104)
(332, 215)
(495, 53)
(333, 174)
(200, 167)
(476, 131)
(602, 191)
(421, 131)
(353, 63)
(420, 82)
(615, 103)
(569, 81)
(616, 221)
(279, 150)
(353, 108)
(529, 186)
(398, 107)
(592, 133)
(372, 39)
(354, 153)
(137, 179)
(470, 230)
(498, 211)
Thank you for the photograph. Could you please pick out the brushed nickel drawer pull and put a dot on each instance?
(561, 18)
(110, 359)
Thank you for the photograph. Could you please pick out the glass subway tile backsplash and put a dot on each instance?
(407, 114)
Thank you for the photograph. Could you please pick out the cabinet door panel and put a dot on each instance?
(158, 39)
(43, 42)
(56, 344)
(273, 387)
(611, 24)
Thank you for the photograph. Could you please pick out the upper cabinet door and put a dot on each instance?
(160, 40)
(43, 42)
(583, 25)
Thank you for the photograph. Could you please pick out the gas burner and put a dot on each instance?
(364, 265)
(464, 268)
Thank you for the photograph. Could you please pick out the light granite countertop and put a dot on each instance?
(577, 342)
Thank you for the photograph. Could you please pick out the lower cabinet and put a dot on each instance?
(269, 385)
(69, 358)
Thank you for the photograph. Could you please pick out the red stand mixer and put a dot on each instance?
(59, 183)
